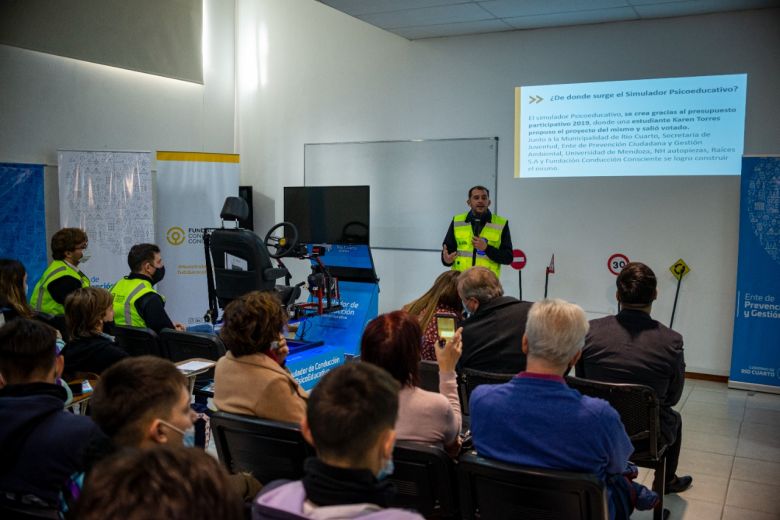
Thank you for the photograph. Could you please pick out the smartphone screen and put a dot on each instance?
(446, 326)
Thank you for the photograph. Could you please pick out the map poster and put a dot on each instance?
(23, 229)
(755, 353)
(109, 195)
(191, 189)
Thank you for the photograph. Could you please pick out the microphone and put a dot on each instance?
(476, 225)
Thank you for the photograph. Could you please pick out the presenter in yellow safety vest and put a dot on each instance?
(136, 302)
(477, 237)
(62, 277)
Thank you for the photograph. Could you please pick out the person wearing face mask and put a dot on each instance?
(477, 237)
(136, 302)
(63, 276)
(89, 349)
(42, 444)
(350, 422)
(142, 402)
(494, 326)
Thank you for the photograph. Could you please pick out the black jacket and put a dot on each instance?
(634, 348)
(42, 444)
(91, 354)
(151, 307)
(492, 336)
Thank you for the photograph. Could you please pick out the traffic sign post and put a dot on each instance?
(550, 269)
(616, 263)
(679, 269)
(518, 262)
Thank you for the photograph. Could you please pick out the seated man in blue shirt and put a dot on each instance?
(536, 420)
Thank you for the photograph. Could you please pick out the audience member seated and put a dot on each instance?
(42, 444)
(634, 348)
(536, 420)
(136, 302)
(13, 291)
(251, 379)
(442, 298)
(392, 341)
(142, 402)
(162, 482)
(349, 421)
(494, 326)
(63, 276)
(89, 348)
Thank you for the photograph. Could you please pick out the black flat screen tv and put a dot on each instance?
(328, 214)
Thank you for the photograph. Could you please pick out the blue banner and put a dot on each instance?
(23, 218)
(755, 354)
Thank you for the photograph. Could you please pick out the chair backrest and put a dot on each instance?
(637, 405)
(425, 479)
(470, 379)
(269, 450)
(248, 266)
(429, 375)
(187, 345)
(58, 322)
(496, 491)
(138, 341)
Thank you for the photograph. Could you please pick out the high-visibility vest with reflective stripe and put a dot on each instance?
(41, 297)
(463, 233)
(126, 292)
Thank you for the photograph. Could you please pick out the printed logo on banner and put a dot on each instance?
(175, 236)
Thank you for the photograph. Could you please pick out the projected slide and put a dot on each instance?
(670, 126)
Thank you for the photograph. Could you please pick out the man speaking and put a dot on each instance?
(477, 237)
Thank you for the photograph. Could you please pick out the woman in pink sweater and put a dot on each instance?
(392, 341)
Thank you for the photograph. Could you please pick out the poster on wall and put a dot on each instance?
(23, 233)
(108, 195)
(191, 189)
(755, 354)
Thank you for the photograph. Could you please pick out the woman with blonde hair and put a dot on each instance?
(89, 348)
(252, 379)
(441, 298)
(13, 291)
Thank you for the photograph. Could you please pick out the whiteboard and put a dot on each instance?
(416, 186)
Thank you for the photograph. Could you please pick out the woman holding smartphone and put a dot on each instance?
(441, 299)
(252, 379)
(392, 341)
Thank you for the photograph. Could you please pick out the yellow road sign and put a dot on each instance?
(679, 269)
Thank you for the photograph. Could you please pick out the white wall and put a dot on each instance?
(308, 73)
(49, 103)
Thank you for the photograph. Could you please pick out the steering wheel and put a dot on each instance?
(282, 242)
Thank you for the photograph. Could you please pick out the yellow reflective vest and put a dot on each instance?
(41, 297)
(126, 292)
(491, 232)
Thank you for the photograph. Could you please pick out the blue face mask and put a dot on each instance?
(466, 310)
(187, 436)
(386, 470)
(60, 345)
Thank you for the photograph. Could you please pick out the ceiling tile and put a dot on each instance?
(573, 18)
(428, 16)
(690, 7)
(517, 8)
(359, 7)
(452, 29)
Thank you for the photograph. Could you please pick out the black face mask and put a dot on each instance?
(158, 275)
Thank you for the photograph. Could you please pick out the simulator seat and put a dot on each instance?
(241, 261)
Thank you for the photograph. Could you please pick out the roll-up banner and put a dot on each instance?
(755, 353)
(191, 189)
(108, 195)
(23, 217)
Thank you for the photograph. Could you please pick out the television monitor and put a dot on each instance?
(328, 214)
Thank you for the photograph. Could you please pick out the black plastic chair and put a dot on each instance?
(138, 341)
(425, 479)
(470, 379)
(638, 408)
(181, 346)
(58, 322)
(429, 375)
(495, 490)
(269, 450)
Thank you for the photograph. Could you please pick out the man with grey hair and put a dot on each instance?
(536, 420)
(492, 331)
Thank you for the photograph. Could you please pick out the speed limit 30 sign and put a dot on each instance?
(616, 263)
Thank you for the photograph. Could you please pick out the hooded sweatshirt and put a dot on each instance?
(42, 444)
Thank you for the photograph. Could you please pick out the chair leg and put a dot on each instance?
(659, 485)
